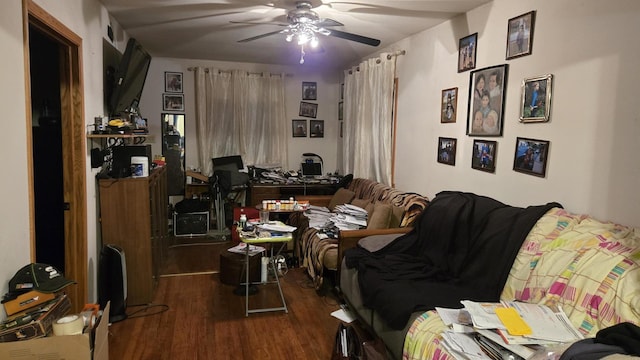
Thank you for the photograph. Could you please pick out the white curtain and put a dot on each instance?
(368, 119)
(240, 113)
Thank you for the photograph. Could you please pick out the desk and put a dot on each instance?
(259, 191)
(282, 240)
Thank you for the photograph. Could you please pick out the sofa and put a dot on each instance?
(469, 247)
(389, 211)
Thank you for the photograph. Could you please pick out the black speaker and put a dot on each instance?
(112, 282)
(121, 160)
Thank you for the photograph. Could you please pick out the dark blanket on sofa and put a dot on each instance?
(462, 248)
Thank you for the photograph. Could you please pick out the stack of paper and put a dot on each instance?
(349, 217)
(277, 227)
(507, 329)
(241, 248)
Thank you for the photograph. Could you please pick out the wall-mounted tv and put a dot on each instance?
(129, 79)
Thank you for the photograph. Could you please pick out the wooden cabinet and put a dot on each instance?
(133, 216)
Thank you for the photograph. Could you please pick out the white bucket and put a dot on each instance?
(139, 166)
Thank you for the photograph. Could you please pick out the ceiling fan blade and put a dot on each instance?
(260, 36)
(258, 23)
(354, 37)
(328, 22)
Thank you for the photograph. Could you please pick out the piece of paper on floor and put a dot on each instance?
(343, 315)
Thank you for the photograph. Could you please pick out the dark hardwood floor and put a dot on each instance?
(203, 319)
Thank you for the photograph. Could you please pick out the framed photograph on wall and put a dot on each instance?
(484, 155)
(531, 156)
(535, 105)
(309, 90)
(173, 82)
(486, 101)
(447, 150)
(520, 35)
(316, 128)
(173, 102)
(299, 128)
(340, 111)
(308, 109)
(341, 127)
(467, 48)
(449, 105)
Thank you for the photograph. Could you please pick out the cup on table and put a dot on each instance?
(264, 216)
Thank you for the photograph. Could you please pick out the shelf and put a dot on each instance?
(117, 136)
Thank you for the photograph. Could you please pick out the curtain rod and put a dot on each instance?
(389, 57)
(229, 71)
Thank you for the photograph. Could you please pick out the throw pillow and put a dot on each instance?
(380, 218)
(342, 196)
(361, 203)
(397, 212)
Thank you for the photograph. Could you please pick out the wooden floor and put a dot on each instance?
(204, 319)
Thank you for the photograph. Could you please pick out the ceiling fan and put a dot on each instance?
(304, 25)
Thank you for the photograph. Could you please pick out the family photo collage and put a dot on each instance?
(486, 100)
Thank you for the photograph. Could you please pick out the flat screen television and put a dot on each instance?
(129, 79)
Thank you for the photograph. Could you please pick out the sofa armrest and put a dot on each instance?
(348, 239)
(316, 200)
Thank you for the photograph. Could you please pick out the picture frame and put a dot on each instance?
(172, 82)
(535, 104)
(316, 128)
(309, 90)
(520, 35)
(449, 105)
(308, 109)
(173, 102)
(467, 50)
(341, 128)
(299, 128)
(485, 115)
(531, 156)
(484, 154)
(447, 150)
(342, 91)
(341, 110)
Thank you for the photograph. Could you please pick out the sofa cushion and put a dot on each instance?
(361, 203)
(369, 209)
(342, 196)
(380, 218)
(397, 212)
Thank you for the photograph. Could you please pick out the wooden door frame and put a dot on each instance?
(73, 146)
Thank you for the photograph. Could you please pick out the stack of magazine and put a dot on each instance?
(505, 330)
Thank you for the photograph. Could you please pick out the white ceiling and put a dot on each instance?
(201, 29)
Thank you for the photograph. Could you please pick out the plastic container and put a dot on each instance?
(139, 166)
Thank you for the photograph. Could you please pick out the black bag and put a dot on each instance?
(354, 342)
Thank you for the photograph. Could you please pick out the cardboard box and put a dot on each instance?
(26, 301)
(93, 345)
(42, 321)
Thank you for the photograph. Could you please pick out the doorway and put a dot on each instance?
(56, 106)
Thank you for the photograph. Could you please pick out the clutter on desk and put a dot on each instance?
(277, 175)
